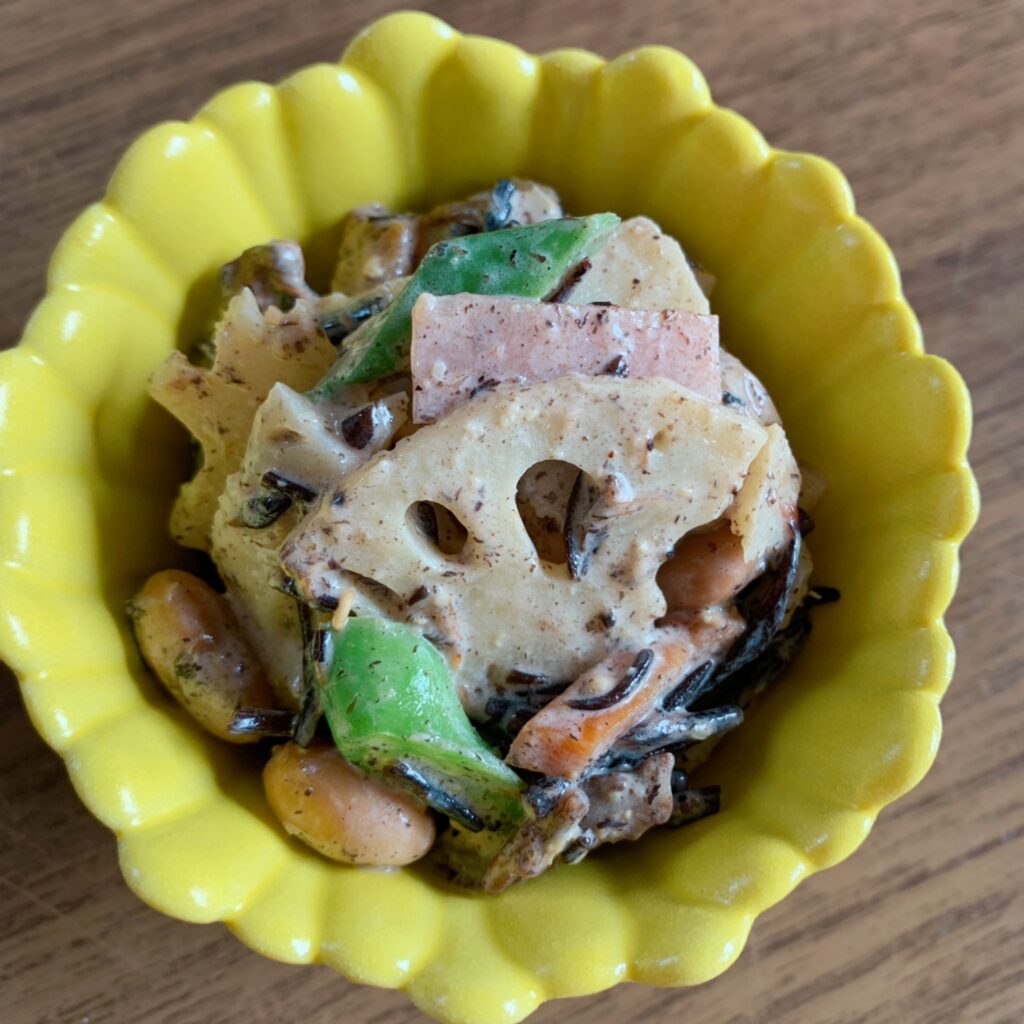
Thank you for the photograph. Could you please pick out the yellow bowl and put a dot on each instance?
(808, 294)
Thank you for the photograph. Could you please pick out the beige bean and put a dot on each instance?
(342, 813)
(705, 569)
(192, 641)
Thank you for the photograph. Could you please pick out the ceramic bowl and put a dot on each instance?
(809, 296)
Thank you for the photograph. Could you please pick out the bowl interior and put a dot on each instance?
(808, 295)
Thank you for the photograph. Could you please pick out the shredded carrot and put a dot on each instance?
(562, 740)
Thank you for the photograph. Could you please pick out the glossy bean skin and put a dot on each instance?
(705, 569)
(191, 640)
(342, 813)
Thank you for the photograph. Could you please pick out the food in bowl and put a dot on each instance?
(503, 539)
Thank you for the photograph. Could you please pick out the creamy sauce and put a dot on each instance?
(674, 462)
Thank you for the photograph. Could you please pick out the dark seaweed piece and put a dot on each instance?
(436, 796)
(317, 647)
(673, 729)
(693, 804)
(543, 796)
(764, 604)
(266, 722)
(317, 653)
(274, 481)
(262, 510)
(265, 509)
(572, 278)
(340, 322)
(499, 213)
(507, 712)
(742, 685)
(694, 683)
(625, 687)
(308, 718)
(517, 677)
(618, 367)
(581, 539)
(728, 398)
(804, 522)
(357, 429)
(426, 520)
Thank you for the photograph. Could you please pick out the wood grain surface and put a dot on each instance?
(921, 103)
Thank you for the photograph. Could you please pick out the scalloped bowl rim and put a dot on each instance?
(459, 968)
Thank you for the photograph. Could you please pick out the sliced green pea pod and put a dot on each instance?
(529, 262)
(392, 708)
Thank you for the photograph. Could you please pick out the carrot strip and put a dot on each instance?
(581, 724)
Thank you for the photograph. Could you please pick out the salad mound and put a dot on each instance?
(505, 539)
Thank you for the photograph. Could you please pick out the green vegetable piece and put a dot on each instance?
(530, 262)
(393, 711)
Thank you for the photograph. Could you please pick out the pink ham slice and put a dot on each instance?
(464, 343)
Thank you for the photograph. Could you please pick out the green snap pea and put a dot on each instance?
(529, 262)
(393, 711)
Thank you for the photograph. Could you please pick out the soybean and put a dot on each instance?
(705, 569)
(342, 813)
(190, 638)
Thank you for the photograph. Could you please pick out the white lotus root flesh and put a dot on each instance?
(662, 461)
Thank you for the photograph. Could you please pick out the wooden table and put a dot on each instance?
(922, 104)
